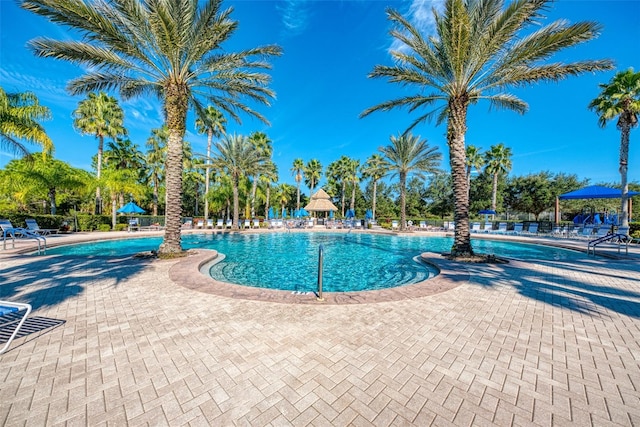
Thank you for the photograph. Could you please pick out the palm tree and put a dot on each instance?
(123, 154)
(172, 49)
(375, 169)
(211, 122)
(474, 160)
(120, 182)
(312, 173)
(338, 171)
(99, 115)
(296, 171)
(262, 143)
(236, 157)
(409, 154)
(352, 177)
(20, 114)
(620, 98)
(498, 162)
(41, 177)
(479, 52)
(268, 177)
(156, 153)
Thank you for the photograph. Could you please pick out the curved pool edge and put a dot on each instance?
(186, 273)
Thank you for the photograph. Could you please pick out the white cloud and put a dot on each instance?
(295, 15)
(420, 14)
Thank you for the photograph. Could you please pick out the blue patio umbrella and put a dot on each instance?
(303, 212)
(284, 213)
(331, 214)
(130, 208)
(350, 214)
(368, 214)
(270, 214)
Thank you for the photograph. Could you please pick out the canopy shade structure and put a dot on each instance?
(596, 192)
(130, 208)
(320, 202)
(487, 212)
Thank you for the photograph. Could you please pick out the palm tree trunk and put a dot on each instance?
(625, 129)
(52, 200)
(236, 202)
(373, 205)
(254, 189)
(298, 179)
(155, 195)
(207, 173)
(176, 111)
(266, 203)
(456, 130)
(98, 208)
(352, 206)
(113, 212)
(494, 192)
(403, 200)
(342, 197)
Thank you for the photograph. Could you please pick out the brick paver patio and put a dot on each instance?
(549, 343)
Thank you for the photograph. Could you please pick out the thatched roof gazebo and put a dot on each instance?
(320, 202)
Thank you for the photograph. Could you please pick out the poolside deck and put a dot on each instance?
(119, 342)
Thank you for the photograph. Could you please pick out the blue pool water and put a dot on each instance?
(289, 261)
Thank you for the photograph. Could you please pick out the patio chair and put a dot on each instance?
(247, 223)
(210, 223)
(517, 229)
(533, 228)
(423, 225)
(8, 230)
(256, 223)
(200, 223)
(587, 232)
(220, 223)
(229, 222)
(134, 224)
(187, 224)
(32, 225)
(12, 313)
(394, 225)
(487, 227)
(475, 227)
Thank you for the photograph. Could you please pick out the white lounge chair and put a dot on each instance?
(220, 223)
(256, 223)
(32, 225)
(423, 225)
(229, 223)
(12, 313)
(200, 223)
(475, 227)
(210, 223)
(394, 225)
(487, 227)
(9, 231)
(247, 223)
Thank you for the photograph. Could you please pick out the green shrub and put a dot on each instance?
(122, 227)
(104, 227)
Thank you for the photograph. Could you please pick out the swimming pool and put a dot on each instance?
(289, 261)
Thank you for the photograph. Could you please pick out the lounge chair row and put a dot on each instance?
(221, 223)
(13, 233)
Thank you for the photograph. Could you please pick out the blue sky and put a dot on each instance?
(322, 87)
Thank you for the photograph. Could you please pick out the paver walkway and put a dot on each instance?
(552, 343)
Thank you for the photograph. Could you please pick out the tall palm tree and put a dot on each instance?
(296, 171)
(409, 154)
(352, 177)
(262, 143)
(120, 182)
(211, 122)
(268, 177)
(620, 98)
(173, 49)
(99, 115)
(312, 174)
(480, 50)
(155, 157)
(375, 169)
(20, 115)
(498, 162)
(123, 154)
(236, 157)
(474, 160)
(338, 171)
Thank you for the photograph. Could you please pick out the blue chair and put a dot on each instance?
(10, 314)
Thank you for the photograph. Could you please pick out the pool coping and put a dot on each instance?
(187, 273)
